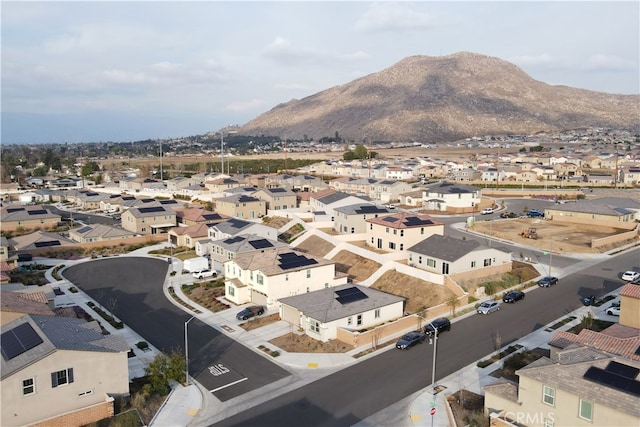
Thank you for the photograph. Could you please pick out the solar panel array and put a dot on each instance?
(47, 244)
(151, 209)
(38, 212)
(261, 244)
(291, 260)
(390, 219)
(18, 340)
(211, 216)
(349, 295)
(84, 229)
(616, 376)
(10, 210)
(413, 221)
(234, 240)
(369, 209)
(278, 190)
(168, 202)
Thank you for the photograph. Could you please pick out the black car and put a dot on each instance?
(547, 281)
(410, 339)
(508, 215)
(535, 214)
(441, 324)
(249, 312)
(590, 300)
(513, 296)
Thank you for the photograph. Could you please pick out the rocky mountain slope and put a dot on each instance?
(434, 99)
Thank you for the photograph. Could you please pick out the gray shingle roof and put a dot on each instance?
(324, 307)
(447, 248)
(232, 226)
(450, 188)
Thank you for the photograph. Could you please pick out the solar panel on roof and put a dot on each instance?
(278, 190)
(261, 244)
(168, 202)
(38, 212)
(287, 255)
(349, 295)
(413, 221)
(151, 209)
(128, 198)
(610, 379)
(211, 216)
(47, 244)
(18, 340)
(147, 200)
(233, 240)
(622, 369)
(367, 209)
(84, 229)
(10, 210)
(390, 219)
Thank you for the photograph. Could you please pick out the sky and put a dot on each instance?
(124, 71)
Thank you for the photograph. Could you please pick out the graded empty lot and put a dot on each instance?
(420, 294)
(315, 245)
(559, 237)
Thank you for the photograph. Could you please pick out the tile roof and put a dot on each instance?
(504, 388)
(616, 339)
(18, 302)
(630, 290)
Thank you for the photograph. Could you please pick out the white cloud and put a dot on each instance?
(543, 61)
(602, 62)
(245, 105)
(130, 78)
(393, 17)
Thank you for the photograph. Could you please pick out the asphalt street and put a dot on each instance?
(131, 288)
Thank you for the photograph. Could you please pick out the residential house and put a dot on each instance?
(60, 371)
(39, 239)
(323, 312)
(15, 304)
(448, 196)
(177, 184)
(99, 233)
(567, 170)
(601, 178)
(630, 315)
(234, 227)
(617, 212)
(412, 198)
(188, 236)
(399, 173)
(630, 176)
(4, 249)
(351, 219)
(277, 198)
(149, 220)
(460, 259)
(227, 249)
(27, 217)
(264, 278)
(580, 386)
(241, 206)
(323, 203)
(194, 216)
(401, 230)
(220, 185)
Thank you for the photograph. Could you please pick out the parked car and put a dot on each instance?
(391, 206)
(441, 324)
(630, 276)
(205, 273)
(249, 312)
(410, 339)
(513, 296)
(613, 310)
(590, 300)
(488, 307)
(508, 215)
(547, 281)
(535, 214)
(486, 211)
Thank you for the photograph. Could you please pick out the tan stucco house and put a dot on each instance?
(401, 230)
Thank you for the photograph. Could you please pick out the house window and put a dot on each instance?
(350, 320)
(420, 259)
(586, 410)
(487, 262)
(395, 232)
(548, 422)
(62, 377)
(359, 319)
(473, 264)
(308, 273)
(392, 245)
(28, 386)
(431, 262)
(401, 246)
(422, 230)
(386, 229)
(259, 279)
(307, 289)
(548, 395)
(326, 285)
(314, 326)
(286, 277)
(376, 313)
(231, 291)
(401, 233)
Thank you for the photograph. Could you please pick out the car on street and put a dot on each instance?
(486, 211)
(205, 273)
(513, 296)
(249, 312)
(613, 310)
(630, 276)
(508, 215)
(589, 300)
(440, 324)
(390, 206)
(488, 307)
(410, 339)
(535, 214)
(547, 281)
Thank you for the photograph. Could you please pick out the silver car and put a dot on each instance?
(488, 307)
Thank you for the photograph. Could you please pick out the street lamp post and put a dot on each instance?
(186, 348)
(433, 367)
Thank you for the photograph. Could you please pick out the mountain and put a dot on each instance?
(446, 98)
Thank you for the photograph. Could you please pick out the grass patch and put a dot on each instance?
(496, 357)
(562, 322)
(106, 316)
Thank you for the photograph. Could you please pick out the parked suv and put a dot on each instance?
(205, 273)
(249, 312)
(535, 214)
(441, 324)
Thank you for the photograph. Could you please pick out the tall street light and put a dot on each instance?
(186, 348)
(433, 367)
(222, 149)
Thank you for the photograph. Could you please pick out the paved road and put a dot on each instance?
(131, 289)
(355, 393)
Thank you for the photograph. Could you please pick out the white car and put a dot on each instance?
(488, 307)
(486, 211)
(613, 311)
(630, 276)
(205, 273)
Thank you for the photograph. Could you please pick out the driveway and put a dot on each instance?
(131, 288)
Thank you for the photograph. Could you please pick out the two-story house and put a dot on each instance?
(351, 219)
(149, 220)
(401, 230)
(223, 250)
(277, 198)
(265, 277)
(448, 196)
(27, 217)
(241, 206)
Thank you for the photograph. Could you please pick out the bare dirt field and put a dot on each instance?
(419, 293)
(315, 245)
(552, 236)
(358, 268)
(298, 343)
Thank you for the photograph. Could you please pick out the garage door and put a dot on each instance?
(258, 298)
(290, 315)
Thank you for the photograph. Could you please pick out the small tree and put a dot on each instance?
(452, 303)
(163, 369)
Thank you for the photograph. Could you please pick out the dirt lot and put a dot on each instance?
(358, 268)
(315, 245)
(552, 236)
(420, 294)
